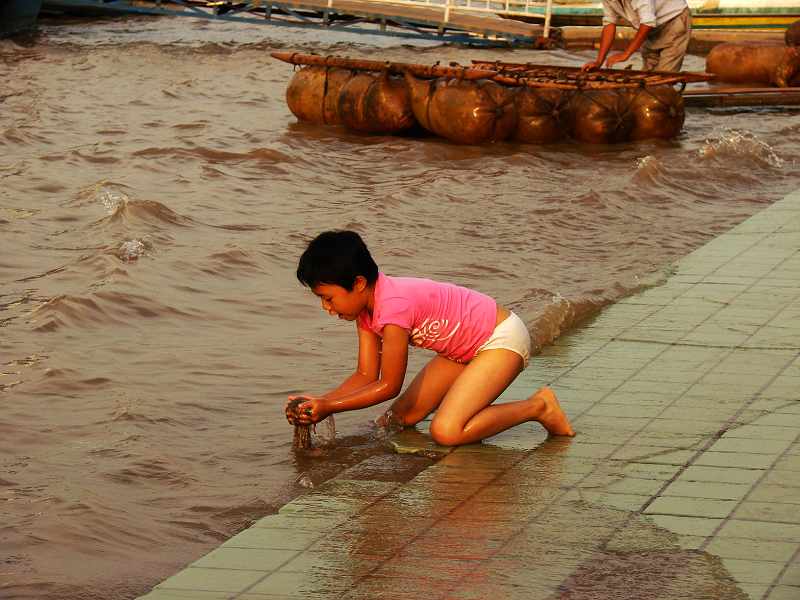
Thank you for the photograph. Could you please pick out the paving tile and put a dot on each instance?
(607, 408)
(784, 387)
(775, 493)
(387, 588)
(334, 564)
(301, 585)
(672, 440)
(636, 399)
(692, 507)
(768, 511)
(761, 362)
(784, 478)
(680, 426)
(276, 539)
(185, 595)
(660, 472)
(253, 559)
(444, 474)
(636, 386)
(211, 580)
(716, 414)
(482, 460)
(715, 292)
(788, 463)
(751, 571)
(593, 451)
(299, 522)
(752, 549)
(735, 459)
(779, 420)
(791, 576)
(686, 525)
(318, 505)
(653, 454)
(750, 446)
(712, 490)
(760, 530)
(628, 502)
(761, 432)
(782, 592)
(691, 542)
(754, 591)
(720, 474)
(532, 495)
(481, 514)
(626, 485)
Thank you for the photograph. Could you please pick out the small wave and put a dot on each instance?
(151, 470)
(149, 211)
(262, 155)
(648, 168)
(63, 382)
(559, 316)
(98, 310)
(732, 143)
(109, 194)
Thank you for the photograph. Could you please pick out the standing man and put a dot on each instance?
(663, 29)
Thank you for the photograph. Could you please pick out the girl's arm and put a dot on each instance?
(367, 369)
(393, 361)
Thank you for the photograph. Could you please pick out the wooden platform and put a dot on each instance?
(430, 17)
(386, 17)
(732, 97)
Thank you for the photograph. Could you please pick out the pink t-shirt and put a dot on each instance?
(450, 320)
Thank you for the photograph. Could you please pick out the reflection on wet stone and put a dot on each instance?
(653, 575)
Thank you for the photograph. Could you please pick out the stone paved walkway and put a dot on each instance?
(683, 480)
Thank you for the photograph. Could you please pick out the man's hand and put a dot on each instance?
(616, 58)
(309, 410)
(592, 66)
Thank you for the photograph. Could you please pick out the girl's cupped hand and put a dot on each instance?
(304, 409)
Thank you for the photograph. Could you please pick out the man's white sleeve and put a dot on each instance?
(610, 16)
(646, 9)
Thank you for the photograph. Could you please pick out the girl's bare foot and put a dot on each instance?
(549, 413)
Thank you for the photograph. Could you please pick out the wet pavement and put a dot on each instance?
(683, 480)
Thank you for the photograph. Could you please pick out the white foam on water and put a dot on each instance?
(131, 250)
(112, 199)
(732, 142)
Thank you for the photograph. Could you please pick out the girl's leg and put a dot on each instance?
(425, 393)
(465, 415)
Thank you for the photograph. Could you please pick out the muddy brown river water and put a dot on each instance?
(155, 193)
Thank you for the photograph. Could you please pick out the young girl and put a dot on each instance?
(480, 348)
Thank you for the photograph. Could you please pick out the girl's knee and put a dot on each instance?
(446, 434)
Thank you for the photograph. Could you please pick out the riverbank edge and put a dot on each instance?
(686, 400)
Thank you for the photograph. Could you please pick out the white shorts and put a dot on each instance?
(512, 335)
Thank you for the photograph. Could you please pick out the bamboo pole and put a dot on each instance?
(539, 77)
(377, 65)
(686, 76)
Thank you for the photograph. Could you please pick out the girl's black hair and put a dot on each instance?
(336, 257)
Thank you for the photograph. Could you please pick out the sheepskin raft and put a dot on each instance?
(767, 63)
(488, 101)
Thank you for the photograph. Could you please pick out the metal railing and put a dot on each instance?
(498, 7)
(520, 8)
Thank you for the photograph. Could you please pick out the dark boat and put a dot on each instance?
(17, 16)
